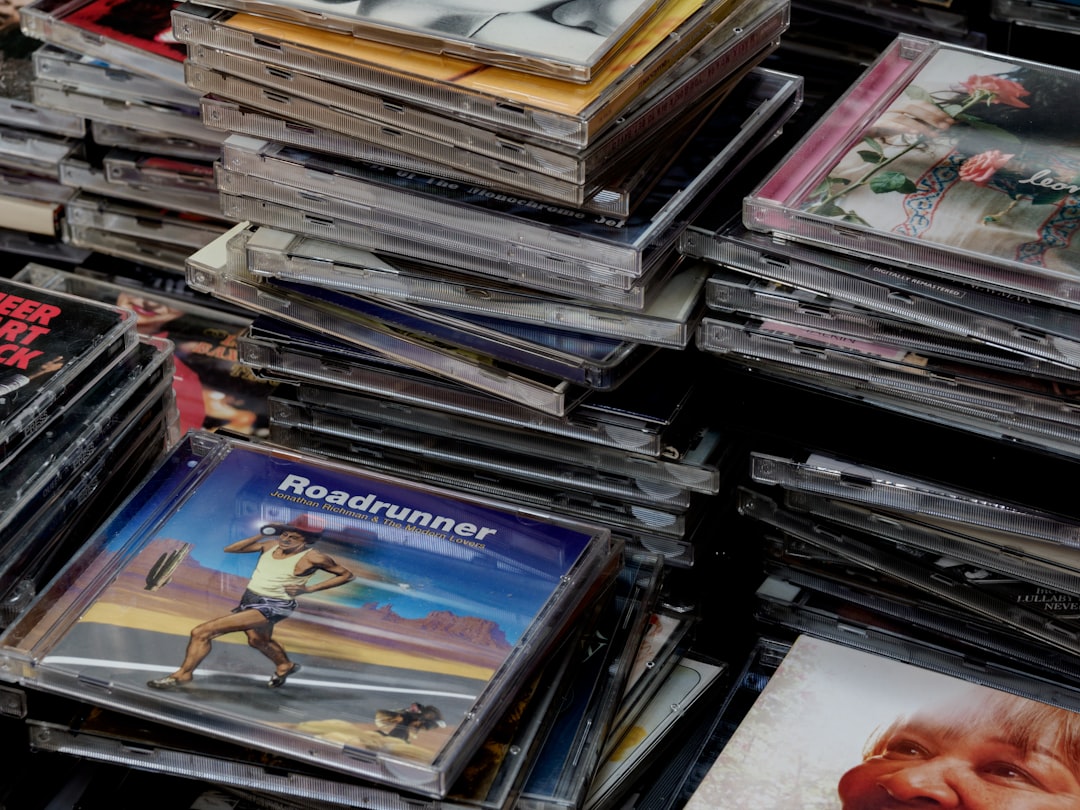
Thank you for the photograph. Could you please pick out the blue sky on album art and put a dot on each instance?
(233, 503)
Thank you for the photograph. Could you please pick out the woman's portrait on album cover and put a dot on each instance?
(840, 729)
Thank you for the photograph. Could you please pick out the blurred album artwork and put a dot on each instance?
(133, 35)
(213, 390)
(134, 23)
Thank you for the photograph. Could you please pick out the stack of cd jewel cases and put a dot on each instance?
(33, 142)
(403, 389)
(82, 399)
(140, 182)
(582, 137)
(877, 557)
(573, 196)
(471, 402)
(917, 249)
(524, 238)
(476, 671)
(912, 259)
(541, 753)
(403, 657)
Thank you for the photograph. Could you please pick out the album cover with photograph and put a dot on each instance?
(837, 728)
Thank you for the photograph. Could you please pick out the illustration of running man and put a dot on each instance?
(286, 563)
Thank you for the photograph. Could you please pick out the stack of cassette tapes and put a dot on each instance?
(140, 180)
(82, 399)
(916, 249)
(459, 257)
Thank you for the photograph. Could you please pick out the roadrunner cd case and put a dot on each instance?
(381, 574)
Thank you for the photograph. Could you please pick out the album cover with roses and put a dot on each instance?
(946, 158)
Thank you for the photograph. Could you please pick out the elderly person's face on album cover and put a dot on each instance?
(996, 752)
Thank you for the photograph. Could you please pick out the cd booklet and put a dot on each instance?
(359, 622)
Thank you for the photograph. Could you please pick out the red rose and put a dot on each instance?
(980, 168)
(1002, 91)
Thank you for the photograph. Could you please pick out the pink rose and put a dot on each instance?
(980, 168)
(1002, 91)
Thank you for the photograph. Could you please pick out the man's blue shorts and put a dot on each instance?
(273, 610)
